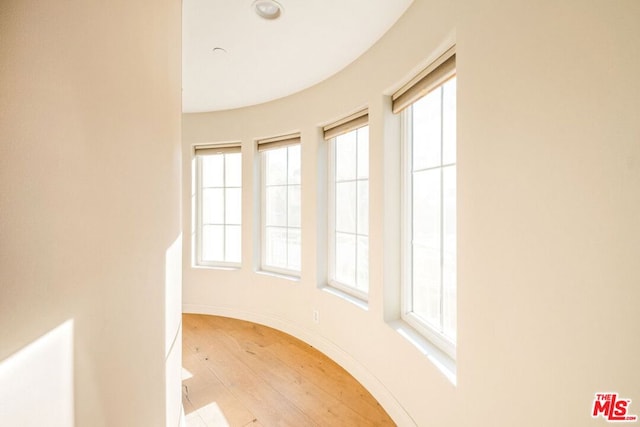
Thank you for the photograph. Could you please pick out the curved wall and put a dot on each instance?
(90, 225)
(548, 172)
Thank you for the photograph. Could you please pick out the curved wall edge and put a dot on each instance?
(330, 349)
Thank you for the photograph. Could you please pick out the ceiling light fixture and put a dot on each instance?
(267, 9)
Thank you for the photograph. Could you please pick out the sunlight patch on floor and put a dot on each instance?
(207, 416)
(186, 374)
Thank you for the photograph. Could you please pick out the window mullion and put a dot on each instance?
(286, 215)
(263, 209)
(356, 217)
(334, 208)
(199, 195)
(224, 207)
(409, 165)
(441, 210)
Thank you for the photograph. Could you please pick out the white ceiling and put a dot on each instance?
(264, 60)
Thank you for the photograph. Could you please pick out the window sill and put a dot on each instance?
(358, 302)
(440, 360)
(216, 267)
(279, 275)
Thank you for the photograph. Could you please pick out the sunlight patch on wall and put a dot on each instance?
(36, 383)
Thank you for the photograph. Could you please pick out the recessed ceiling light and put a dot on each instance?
(267, 9)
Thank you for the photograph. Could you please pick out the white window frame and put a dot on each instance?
(199, 153)
(439, 78)
(331, 204)
(275, 142)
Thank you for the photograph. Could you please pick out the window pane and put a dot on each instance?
(276, 247)
(426, 131)
(363, 207)
(282, 193)
(276, 165)
(449, 122)
(212, 206)
(426, 284)
(426, 208)
(294, 249)
(212, 168)
(351, 217)
(363, 264)
(294, 206)
(212, 243)
(233, 206)
(276, 206)
(346, 207)
(426, 246)
(220, 208)
(449, 251)
(233, 243)
(346, 259)
(431, 247)
(233, 170)
(294, 164)
(363, 152)
(346, 156)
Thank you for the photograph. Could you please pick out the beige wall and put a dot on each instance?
(89, 206)
(549, 214)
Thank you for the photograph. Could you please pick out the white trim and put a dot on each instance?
(442, 361)
(331, 212)
(360, 372)
(197, 258)
(263, 217)
(406, 228)
(279, 275)
(348, 294)
(433, 335)
(220, 264)
(294, 274)
(331, 220)
(354, 292)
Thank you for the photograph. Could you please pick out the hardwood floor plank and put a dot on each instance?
(219, 354)
(252, 375)
(321, 406)
(329, 376)
(205, 388)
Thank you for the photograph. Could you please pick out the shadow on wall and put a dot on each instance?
(36, 383)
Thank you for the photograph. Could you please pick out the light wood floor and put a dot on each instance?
(239, 373)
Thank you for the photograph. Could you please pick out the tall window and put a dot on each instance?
(281, 207)
(349, 204)
(218, 191)
(429, 255)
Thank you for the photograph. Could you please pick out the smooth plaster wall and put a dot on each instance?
(89, 209)
(548, 214)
